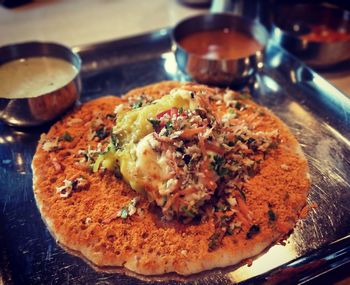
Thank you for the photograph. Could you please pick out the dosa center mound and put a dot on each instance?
(172, 177)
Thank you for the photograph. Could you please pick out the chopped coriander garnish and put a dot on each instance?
(169, 126)
(66, 137)
(214, 241)
(218, 165)
(129, 209)
(137, 105)
(124, 213)
(114, 141)
(221, 229)
(181, 110)
(188, 212)
(221, 207)
(155, 123)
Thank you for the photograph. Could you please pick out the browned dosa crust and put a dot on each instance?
(143, 243)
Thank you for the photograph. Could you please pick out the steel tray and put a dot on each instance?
(317, 113)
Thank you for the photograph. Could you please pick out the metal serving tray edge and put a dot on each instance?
(316, 112)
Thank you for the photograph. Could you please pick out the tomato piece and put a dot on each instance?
(170, 112)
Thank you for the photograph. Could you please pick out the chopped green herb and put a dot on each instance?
(272, 215)
(124, 213)
(214, 241)
(181, 110)
(222, 228)
(229, 232)
(114, 141)
(218, 165)
(188, 212)
(221, 207)
(231, 111)
(155, 123)
(137, 105)
(66, 137)
(129, 209)
(169, 126)
(254, 229)
(225, 220)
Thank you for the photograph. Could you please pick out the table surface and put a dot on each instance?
(89, 21)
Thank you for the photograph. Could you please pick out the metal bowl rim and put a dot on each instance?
(42, 43)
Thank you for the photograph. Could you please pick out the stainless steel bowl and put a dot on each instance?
(46, 107)
(221, 72)
(315, 54)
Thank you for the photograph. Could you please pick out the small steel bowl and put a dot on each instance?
(220, 72)
(44, 108)
(316, 54)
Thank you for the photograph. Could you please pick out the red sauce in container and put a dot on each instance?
(220, 44)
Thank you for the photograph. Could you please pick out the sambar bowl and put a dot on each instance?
(219, 71)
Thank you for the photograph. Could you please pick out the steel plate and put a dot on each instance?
(317, 113)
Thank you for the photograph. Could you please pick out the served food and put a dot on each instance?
(172, 177)
(34, 76)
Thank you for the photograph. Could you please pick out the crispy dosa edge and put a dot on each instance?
(144, 244)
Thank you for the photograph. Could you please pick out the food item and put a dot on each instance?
(216, 179)
(220, 44)
(34, 76)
